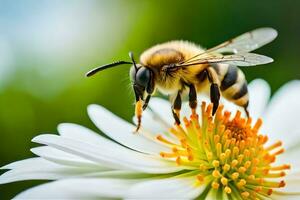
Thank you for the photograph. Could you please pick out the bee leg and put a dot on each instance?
(193, 99)
(246, 109)
(214, 89)
(214, 96)
(176, 108)
(149, 89)
(146, 101)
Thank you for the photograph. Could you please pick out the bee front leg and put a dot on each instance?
(214, 88)
(176, 107)
(146, 101)
(149, 89)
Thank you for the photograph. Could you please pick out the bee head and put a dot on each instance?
(143, 86)
(141, 78)
(142, 82)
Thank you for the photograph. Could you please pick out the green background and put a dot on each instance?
(47, 46)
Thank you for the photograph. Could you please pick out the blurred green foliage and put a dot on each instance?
(53, 43)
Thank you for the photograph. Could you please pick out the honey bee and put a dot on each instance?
(181, 68)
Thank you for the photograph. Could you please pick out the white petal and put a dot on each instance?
(290, 156)
(80, 133)
(109, 154)
(231, 107)
(122, 131)
(153, 125)
(19, 175)
(38, 169)
(170, 188)
(291, 188)
(82, 188)
(281, 196)
(292, 185)
(28, 163)
(62, 157)
(283, 114)
(150, 123)
(162, 108)
(259, 94)
(292, 179)
(203, 97)
(186, 110)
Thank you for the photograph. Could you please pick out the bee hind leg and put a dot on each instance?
(246, 109)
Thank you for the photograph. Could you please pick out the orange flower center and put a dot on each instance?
(226, 154)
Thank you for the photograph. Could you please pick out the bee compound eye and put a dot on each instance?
(143, 76)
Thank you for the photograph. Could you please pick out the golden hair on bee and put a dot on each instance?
(182, 68)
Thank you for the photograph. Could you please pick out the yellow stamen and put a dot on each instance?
(227, 190)
(215, 185)
(164, 140)
(216, 163)
(227, 153)
(224, 181)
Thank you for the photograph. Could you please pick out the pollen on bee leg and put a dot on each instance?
(138, 114)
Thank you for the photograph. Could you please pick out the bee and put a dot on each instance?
(181, 68)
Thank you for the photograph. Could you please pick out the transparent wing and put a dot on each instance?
(241, 59)
(244, 43)
(248, 41)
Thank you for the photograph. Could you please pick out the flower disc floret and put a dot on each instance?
(226, 153)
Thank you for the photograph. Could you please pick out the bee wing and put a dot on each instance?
(241, 59)
(247, 42)
(244, 43)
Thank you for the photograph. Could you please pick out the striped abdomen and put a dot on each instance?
(233, 84)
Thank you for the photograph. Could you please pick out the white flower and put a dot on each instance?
(162, 163)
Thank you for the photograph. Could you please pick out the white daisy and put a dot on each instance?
(222, 157)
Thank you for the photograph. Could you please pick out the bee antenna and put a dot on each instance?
(103, 67)
(132, 58)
